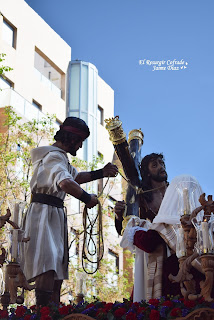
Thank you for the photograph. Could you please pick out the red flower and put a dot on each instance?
(20, 311)
(176, 312)
(27, 317)
(141, 310)
(108, 306)
(99, 311)
(154, 315)
(70, 307)
(119, 312)
(64, 310)
(3, 314)
(189, 303)
(136, 304)
(33, 307)
(131, 316)
(154, 302)
(168, 303)
(45, 311)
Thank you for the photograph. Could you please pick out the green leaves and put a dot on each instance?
(15, 146)
(3, 68)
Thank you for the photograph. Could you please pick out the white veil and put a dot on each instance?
(172, 206)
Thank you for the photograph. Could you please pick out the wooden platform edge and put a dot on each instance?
(199, 314)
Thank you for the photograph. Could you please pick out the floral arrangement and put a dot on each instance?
(154, 309)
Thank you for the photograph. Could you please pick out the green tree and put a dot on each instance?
(3, 68)
(16, 141)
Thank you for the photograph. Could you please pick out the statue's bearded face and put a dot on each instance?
(157, 170)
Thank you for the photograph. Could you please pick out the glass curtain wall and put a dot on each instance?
(82, 103)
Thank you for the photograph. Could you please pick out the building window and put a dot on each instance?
(48, 73)
(100, 181)
(37, 105)
(73, 247)
(9, 33)
(100, 116)
(100, 186)
(110, 206)
(5, 83)
(113, 268)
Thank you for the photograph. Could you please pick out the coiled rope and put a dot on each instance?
(90, 237)
(93, 244)
(137, 189)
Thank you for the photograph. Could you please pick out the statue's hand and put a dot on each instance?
(119, 209)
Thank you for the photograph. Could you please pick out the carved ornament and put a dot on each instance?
(115, 130)
(136, 134)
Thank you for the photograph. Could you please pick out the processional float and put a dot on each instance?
(14, 278)
(195, 241)
(195, 248)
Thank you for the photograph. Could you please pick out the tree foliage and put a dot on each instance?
(3, 68)
(16, 142)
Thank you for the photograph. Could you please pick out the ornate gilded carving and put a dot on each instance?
(16, 279)
(207, 264)
(200, 314)
(116, 133)
(14, 276)
(189, 233)
(2, 256)
(5, 300)
(203, 263)
(187, 283)
(6, 218)
(136, 134)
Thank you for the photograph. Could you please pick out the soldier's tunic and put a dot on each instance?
(47, 225)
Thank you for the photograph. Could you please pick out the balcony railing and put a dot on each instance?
(10, 97)
(48, 83)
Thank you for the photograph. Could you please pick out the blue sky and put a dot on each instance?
(174, 108)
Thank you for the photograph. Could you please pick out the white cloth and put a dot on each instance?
(133, 225)
(47, 225)
(141, 257)
(171, 208)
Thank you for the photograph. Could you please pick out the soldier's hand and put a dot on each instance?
(110, 170)
(119, 209)
(93, 202)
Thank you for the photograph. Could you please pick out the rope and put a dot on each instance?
(88, 237)
(139, 190)
(89, 234)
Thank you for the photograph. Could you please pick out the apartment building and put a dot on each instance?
(45, 80)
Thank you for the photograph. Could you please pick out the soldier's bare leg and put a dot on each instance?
(44, 288)
(56, 291)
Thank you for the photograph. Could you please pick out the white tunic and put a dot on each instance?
(44, 224)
